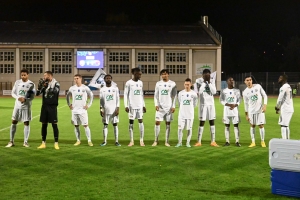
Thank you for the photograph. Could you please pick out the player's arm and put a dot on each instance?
(102, 103)
(195, 100)
(117, 102)
(41, 87)
(30, 93)
(264, 95)
(91, 95)
(212, 87)
(280, 99)
(173, 96)
(222, 98)
(69, 93)
(14, 93)
(156, 97)
(246, 104)
(179, 99)
(238, 97)
(126, 96)
(144, 106)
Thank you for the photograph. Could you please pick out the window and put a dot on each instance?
(29, 56)
(147, 57)
(7, 68)
(176, 62)
(61, 62)
(176, 69)
(7, 56)
(34, 68)
(176, 57)
(118, 62)
(149, 69)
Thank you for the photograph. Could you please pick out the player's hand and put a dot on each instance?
(172, 110)
(101, 113)
(247, 118)
(85, 107)
(144, 109)
(264, 108)
(117, 112)
(277, 111)
(156, 108)
(127, 109)
(71, 107)
(21, 99)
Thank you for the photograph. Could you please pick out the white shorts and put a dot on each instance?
(23, 115)
(185, 123)
(234, 119)
(285, 118)
(257, 119)
(110, 118)
(80, 119)
(207, 112)
(162, 115)
(135, 113)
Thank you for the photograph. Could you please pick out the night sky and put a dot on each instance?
(258, 35)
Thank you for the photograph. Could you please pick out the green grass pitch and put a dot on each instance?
(136, 172)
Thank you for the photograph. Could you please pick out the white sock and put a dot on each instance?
(227, 133)
(156, 130)
(105, 131)
(167, 133)
(288, 132)
(26, 133)
(237, 134)
(141, 127)
(179, 136)
(88, 133)
(283, 132)
(212, 133)
(116, 132)
(262, 134)
(252, 134)
(200, 132)
(131, 132)
(13, 129)
(189, 136)
(77, 133)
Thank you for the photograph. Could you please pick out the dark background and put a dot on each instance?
(258, 35)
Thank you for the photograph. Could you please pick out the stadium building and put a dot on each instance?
(68, 49)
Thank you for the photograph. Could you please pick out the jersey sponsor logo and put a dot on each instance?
(22, 92)
(254, 98)
(230, 99)
(137, 92)
(109, 97)
(78, 97)
(207, 89)
(186, 102)
(164, 92)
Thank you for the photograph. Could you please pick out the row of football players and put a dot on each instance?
(255, 100)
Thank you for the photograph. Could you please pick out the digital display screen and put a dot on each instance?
(89, 59)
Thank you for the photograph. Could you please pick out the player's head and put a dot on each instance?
(248, 81)
(107, 79)
(282, 79)
(206, 74)
(24, 75)
(230, 82)
(164, 74)
(78, 79)
(136, 73)
(187, 84)
(48, 76)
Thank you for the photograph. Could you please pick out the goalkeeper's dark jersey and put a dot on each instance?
(50, 94)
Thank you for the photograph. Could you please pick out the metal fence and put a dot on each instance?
(268, 80)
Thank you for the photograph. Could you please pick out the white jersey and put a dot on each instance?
(285, 100)
(206, 93)
(109, 99)
(25, 90)
(187, 102)
(164, 92)
(133, 94)
(79, 98)
(253, 99)
(230, 96)
(198, 84)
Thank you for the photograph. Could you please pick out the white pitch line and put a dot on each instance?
(31, 119)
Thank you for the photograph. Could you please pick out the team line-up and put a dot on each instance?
(165, 98)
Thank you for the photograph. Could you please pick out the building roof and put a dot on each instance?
(48, 33)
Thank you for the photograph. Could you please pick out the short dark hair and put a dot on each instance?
(49, 73)
(25, 71)
(107, 75)
(78, 75)
(284, 76)
(188, 80)
(205, 71)
(135, 70)
(247, 76)
(229, 77)
(164, 71)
